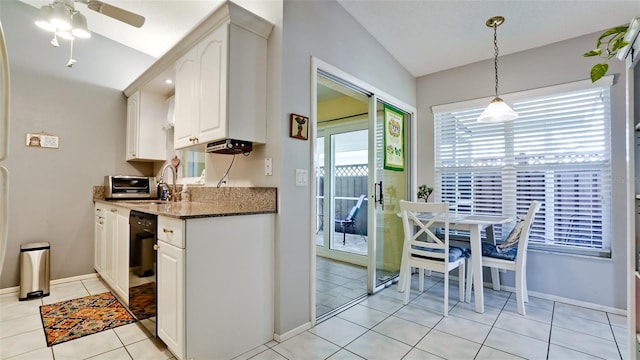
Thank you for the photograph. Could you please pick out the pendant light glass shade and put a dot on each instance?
(497, 111)
(61, 17)
(79, 28)
(45, 15)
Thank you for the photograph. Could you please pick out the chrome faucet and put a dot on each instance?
(172, 196)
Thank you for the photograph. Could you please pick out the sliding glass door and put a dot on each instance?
(361, 172)
(390, 182)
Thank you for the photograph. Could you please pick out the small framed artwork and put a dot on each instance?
(42, 140)
(299, 128)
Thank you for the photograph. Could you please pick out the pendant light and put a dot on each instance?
(498, 110)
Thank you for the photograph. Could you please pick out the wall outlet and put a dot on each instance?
(268, 166)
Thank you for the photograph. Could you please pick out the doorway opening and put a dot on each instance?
(358, 236)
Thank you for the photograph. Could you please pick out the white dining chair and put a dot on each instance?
(434, 254)
(513, 259)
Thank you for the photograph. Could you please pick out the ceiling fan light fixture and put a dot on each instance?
(61, 17)
(497, 111)
(65, 35)
(45, 16)
(79, 28)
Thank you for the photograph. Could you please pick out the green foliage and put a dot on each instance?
(613, 41)
(424, 191)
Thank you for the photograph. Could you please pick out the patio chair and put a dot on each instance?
(350, 220)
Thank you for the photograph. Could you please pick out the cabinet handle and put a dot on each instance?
(156, 247)
(99, 210)
(196, 139)
(167, 230)
(100, 222)
(114, 210)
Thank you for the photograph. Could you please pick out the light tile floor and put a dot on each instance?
(379, 327)
(22, 334)
(337, 284)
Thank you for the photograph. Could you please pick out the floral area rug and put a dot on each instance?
(142, 300)
(72, 319)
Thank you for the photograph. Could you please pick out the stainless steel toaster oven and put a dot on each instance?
(130, 187)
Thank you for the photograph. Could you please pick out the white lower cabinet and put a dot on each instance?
(111, 252)
(99, 238)
(170, 285)
(215, 285)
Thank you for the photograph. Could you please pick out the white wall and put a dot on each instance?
(50, 196)
(591, 280)
(325, 30)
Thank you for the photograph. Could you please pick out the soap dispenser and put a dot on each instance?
(184, 194)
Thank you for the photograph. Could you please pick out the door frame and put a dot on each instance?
(377, 94)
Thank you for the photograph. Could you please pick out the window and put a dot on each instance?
(191, 165)
(557, 152)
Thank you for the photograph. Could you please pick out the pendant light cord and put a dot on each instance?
(495, 47)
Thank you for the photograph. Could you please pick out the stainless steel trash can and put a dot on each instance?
(34, 270)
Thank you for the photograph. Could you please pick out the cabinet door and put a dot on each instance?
(185, 100)
(133, 119)
(100, 232)
(171, 290)
(212, 67)
(122, 255)
(110, 247)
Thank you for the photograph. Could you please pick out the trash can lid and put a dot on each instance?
(35, 246)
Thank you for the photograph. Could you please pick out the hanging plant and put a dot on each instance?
(613, 41)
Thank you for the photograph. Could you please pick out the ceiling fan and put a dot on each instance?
(115, 12)
(64, 10)
(61, 18)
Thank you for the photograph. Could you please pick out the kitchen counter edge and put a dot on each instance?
(186, 210)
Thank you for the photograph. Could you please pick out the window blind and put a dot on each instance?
(556, 152)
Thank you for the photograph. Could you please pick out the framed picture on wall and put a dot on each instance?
(393, 138)
(299, 127)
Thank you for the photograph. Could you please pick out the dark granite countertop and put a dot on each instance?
(209, 203)
(189, 210)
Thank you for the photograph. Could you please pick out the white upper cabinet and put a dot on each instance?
(220, 76)
(146, 115)
(185, 81)
(221, 85)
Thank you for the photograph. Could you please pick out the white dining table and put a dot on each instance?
(474, 224)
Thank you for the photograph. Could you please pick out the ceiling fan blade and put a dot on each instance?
(116, 13)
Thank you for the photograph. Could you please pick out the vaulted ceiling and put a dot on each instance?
(425, 36)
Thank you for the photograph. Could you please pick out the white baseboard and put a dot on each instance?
(565, 300)
(16, 289)
(545, 296)
(293, 332)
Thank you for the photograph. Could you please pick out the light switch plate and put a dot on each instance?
(302, 177)
(268, 166)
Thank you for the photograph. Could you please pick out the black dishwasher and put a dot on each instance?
(142, 268)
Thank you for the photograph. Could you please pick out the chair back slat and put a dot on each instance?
(523, 240)
(417, 219)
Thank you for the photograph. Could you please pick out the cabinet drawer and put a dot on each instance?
(171, 230)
